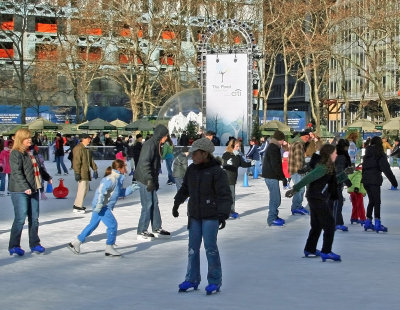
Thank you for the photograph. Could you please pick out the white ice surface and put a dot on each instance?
(263, 268)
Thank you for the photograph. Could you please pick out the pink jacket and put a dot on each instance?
(5, 160)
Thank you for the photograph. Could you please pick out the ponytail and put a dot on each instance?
(108, 171)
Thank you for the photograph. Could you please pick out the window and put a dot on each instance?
(46, 52)
(91, 55)
(6, 50)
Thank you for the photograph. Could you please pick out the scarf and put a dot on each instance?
(38, 180)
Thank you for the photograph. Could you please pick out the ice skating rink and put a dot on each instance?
(263, 268)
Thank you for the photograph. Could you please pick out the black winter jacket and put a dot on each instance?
(272, 163)
(22, 175)
(207, 186)
(149, 163)
(374, 163)
(231, 164)
(137, 148)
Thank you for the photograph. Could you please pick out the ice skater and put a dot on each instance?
(322, 188)
(104, 200)
(374, 163)
(210, 200)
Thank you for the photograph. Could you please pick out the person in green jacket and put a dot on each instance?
(357, 193)
(168, 155)
(323, 183)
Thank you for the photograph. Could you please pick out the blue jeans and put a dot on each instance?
(297, 199)
(25, 205)
(2, 182)
(208, 231)
(168, 162)
(274, 199)
(107, 217)
(60, 161)
(150, 210)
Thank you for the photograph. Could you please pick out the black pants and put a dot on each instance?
(337, 206)
(374, 203)
(321, 218)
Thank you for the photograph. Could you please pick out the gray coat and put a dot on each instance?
(180, 166)
(22, 175)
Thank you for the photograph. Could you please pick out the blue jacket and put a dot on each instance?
(109, 190)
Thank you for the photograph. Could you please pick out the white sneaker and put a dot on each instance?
(145, 236)
(75, 246)
(110, 251)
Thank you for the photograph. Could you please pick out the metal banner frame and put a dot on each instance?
(250, 48)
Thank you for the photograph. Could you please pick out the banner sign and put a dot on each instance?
(227, 95)
(295, 119)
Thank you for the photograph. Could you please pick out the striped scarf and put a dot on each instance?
(38, 180)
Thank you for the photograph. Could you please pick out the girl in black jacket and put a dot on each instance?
(322, 188)
(210, 200)
(374, 163)
(342, 162)
(231, 161)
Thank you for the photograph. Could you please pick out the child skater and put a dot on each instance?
(357, 193)
(322, 187)
(103, 203)
(374, 163)
(210, 200)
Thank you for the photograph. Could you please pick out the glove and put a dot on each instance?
(289, 193)
(284, 181)
(175, 212)
(229, 162)
(356, 190)
(95, 175)
(98, 208)
(253, 162)
(222, 224)
(77, 177)
(150, 186)
(349, 170)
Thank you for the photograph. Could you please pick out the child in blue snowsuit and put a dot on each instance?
(104, 200)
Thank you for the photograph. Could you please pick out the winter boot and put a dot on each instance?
(379, 227)
(211, 288)
(368, 225)
(185, 285)
(75, 246)
(331, 255)
(110, 251)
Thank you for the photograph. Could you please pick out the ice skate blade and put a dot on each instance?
(143, 238)
(112, 255)
(191, 289)
(159, 236)
(212, 292)
(79, 211)
(72, 248)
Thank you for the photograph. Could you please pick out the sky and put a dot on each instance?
(263, 267)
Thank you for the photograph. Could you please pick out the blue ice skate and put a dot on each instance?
(301, 211)
(185, 285)
(282, 220)
(352, 221)
(16, 250)
(234, 215)
(331, 256)
(379, 227)
(211, 288)
(312, 254)
(368, 225)
(342, 228)
(38, 249)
